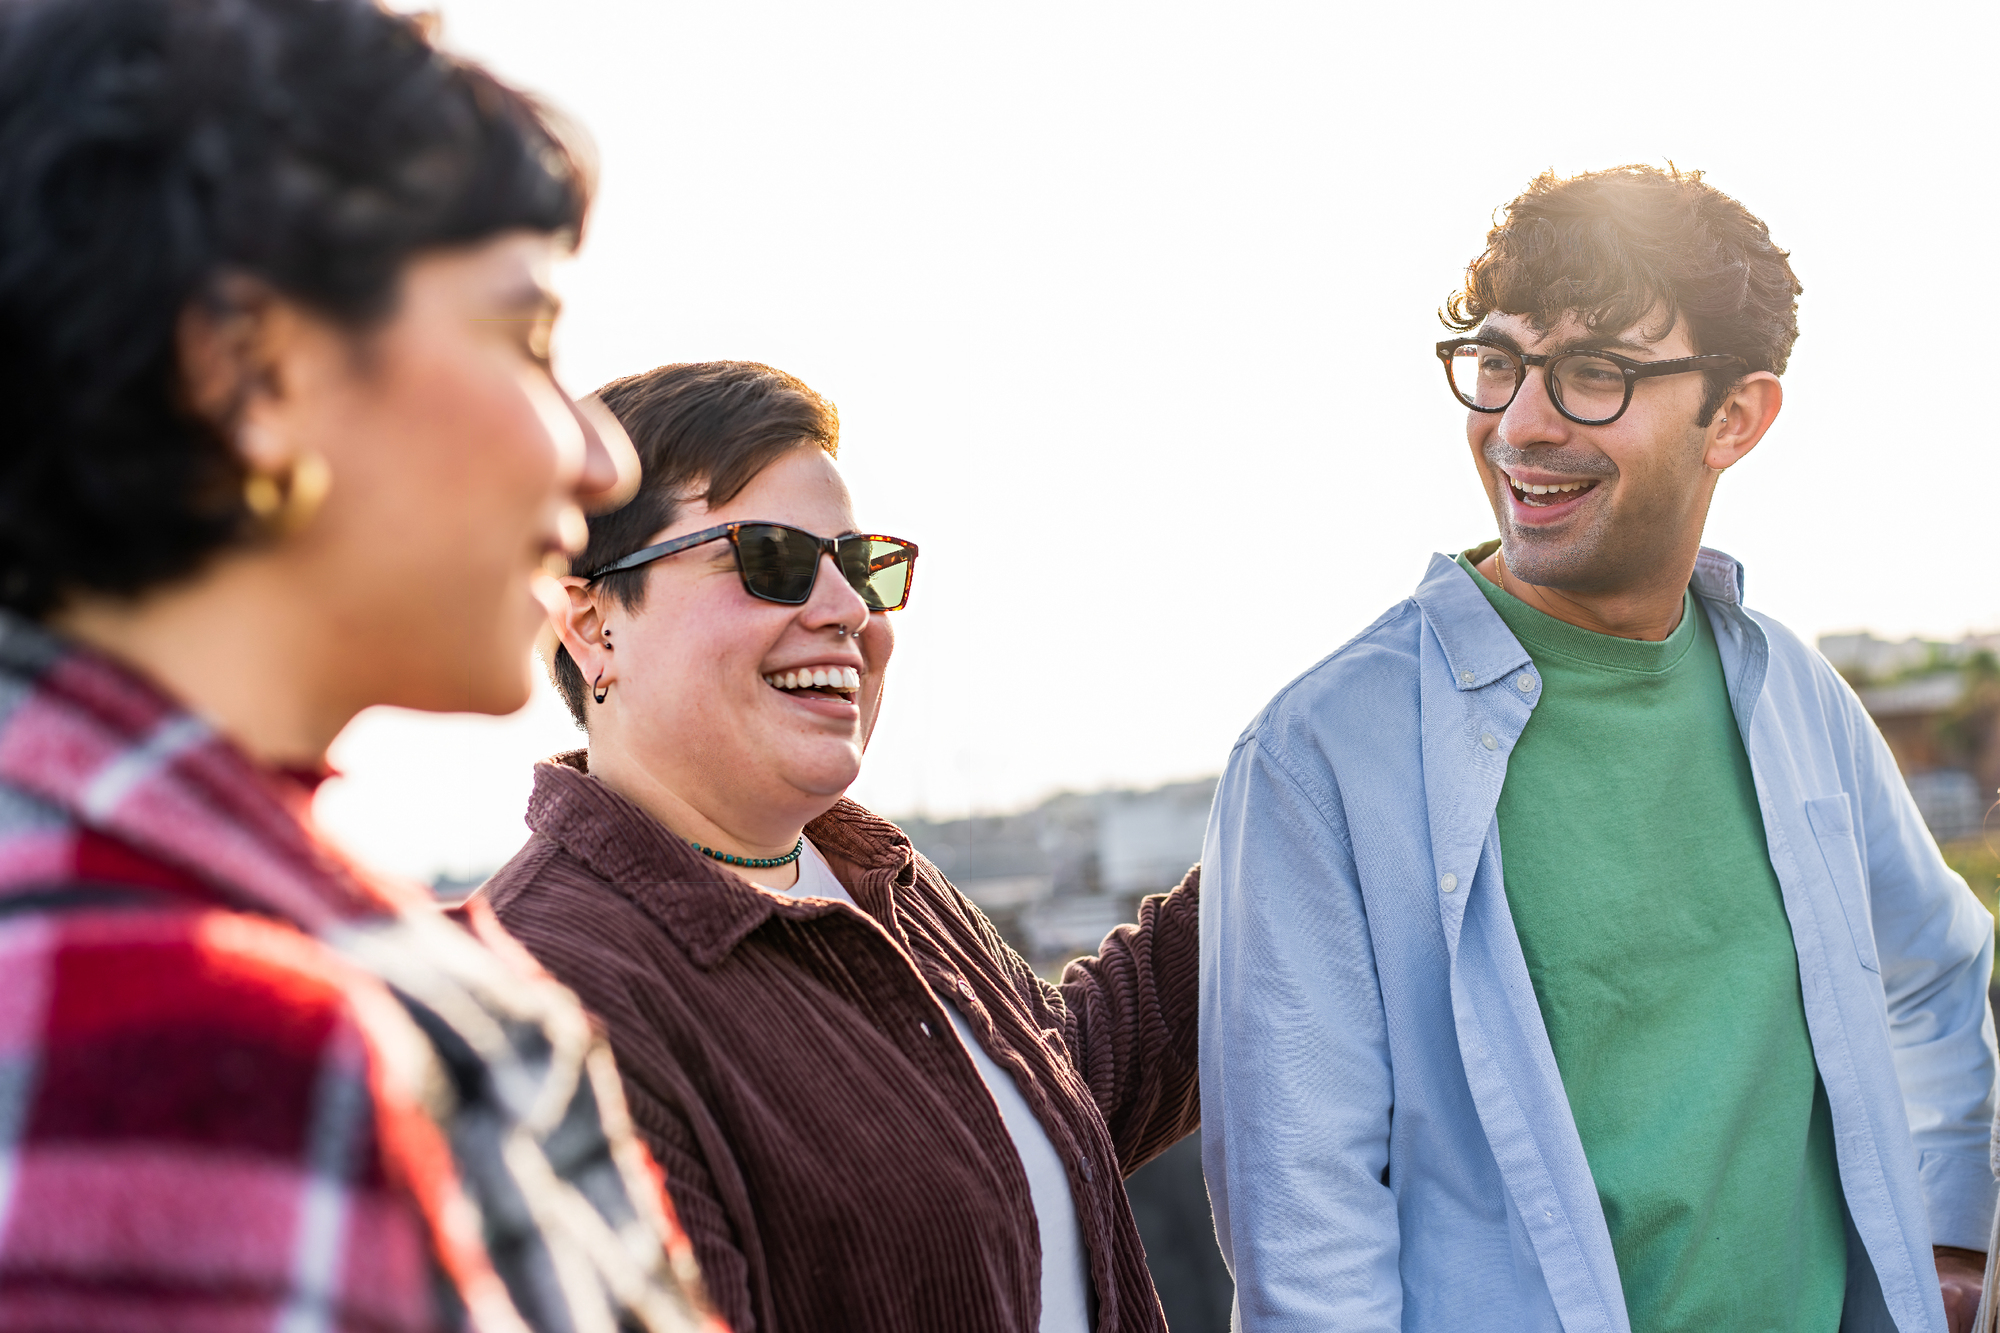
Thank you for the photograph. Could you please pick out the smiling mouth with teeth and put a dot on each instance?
(1541, 497)
(838, 681)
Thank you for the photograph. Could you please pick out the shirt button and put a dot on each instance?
(1488, 741)
(925, 1026)
(1526, 684)
(1465, 677)
(964, 988)
(1086, 1170)
(1449, 882)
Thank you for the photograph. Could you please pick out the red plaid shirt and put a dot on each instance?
(211, 1116)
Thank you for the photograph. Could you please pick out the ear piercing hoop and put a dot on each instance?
(598, 689)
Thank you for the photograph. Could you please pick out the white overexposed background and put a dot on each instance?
(1128, 311)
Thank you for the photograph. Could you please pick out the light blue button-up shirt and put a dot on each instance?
(1386, 1137)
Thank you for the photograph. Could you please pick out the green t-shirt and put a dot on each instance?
(1656, 937)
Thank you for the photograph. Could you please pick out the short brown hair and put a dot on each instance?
(1613, 246)
(703, 431)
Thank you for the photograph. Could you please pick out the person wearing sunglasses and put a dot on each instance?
(871, 1112)
(1573, 953)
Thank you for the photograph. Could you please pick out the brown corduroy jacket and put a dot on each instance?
(831, 1149)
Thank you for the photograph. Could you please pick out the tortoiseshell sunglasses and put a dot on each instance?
(778, 563)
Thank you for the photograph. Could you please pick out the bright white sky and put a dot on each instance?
(1128, 310)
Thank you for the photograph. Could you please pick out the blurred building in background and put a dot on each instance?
(1056, 878)
(1938, 705)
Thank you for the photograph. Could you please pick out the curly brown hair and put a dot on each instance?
(1613, 247)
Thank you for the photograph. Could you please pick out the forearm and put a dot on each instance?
(1130, 1014)
(1961, 1274)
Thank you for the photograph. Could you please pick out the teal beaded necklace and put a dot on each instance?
(751, 862)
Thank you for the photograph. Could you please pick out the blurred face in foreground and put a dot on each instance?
(1604, 509)
(448, 468)
(457, 467)
(710, 718)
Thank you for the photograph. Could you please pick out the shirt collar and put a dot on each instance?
(707, 909)
(1477, 644)
(1718, 577)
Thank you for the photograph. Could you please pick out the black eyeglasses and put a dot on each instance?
(780, 564)
(1590, 388)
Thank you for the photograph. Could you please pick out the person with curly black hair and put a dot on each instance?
(280, 441)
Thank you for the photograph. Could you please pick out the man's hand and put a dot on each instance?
(1960, 1274)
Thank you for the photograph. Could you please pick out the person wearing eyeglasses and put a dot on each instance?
(1573, 955)
(871, 1112)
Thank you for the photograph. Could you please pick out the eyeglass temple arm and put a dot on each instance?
(1680, 364)
(645, 555)
(900, 556)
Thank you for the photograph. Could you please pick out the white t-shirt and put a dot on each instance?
(1065, 1270)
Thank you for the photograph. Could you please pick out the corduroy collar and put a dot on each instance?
(705, 907)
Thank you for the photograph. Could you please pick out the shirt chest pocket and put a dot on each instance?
(1832, 819)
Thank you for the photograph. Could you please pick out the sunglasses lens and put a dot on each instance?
(777, 563)
(880, 571)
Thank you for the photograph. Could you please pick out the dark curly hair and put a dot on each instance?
(1613, 246)
(702, 430)
(152, 149)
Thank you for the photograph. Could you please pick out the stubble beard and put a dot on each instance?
(1606, 552)
(1575, 561)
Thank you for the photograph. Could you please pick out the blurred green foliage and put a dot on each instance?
(1977, 860)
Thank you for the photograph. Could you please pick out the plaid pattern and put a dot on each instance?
(244, 1086)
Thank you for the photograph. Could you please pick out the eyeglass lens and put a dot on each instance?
(1484, 377)
(1589, 388)
(779, 565)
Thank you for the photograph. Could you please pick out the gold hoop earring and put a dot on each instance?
(285, 502)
